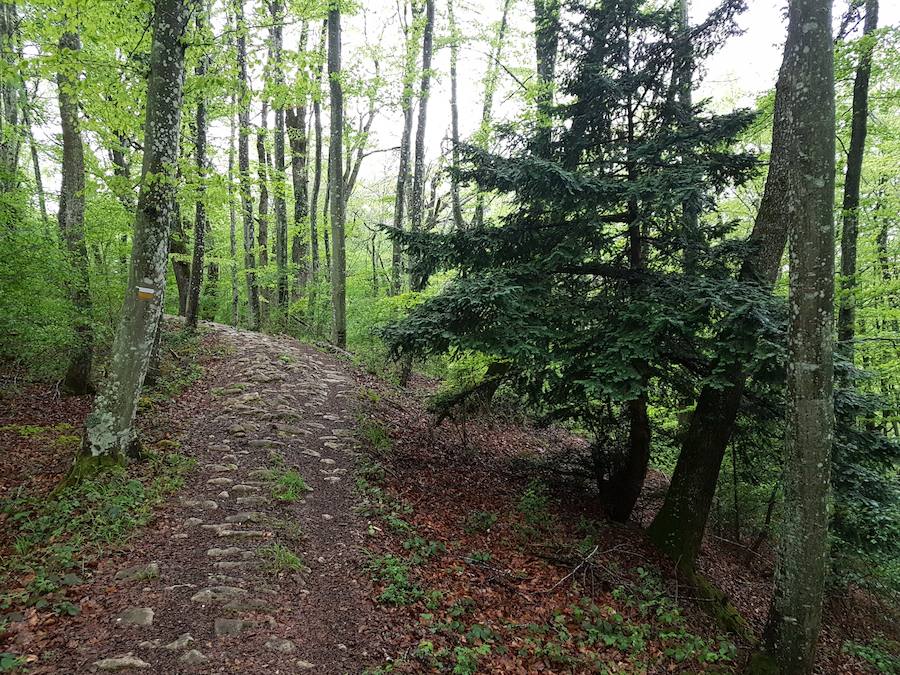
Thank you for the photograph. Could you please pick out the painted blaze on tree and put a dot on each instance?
(110, 433)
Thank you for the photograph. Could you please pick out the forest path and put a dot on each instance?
(210, 586)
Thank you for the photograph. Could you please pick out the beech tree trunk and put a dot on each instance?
(406, 104)
(336, 182)
(680, 524)
(200, 219)
(109, 432)
(846, 323)
(244, 167)
(77, 379)
(796, 610)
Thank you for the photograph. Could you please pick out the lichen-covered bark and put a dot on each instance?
(200, 219)
(803, 543)
(454, 120)
(336, 182)
(109, 432)
(71, 216)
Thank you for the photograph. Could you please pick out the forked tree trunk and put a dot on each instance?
(71, 217)
(796, 611)
(110, 432)
(679, 526)
(200, 220)
(336, 182)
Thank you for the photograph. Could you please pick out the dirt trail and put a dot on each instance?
(199, 592)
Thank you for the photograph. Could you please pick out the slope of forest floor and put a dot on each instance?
(459, 549)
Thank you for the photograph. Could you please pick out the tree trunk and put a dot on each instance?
(546, 39)
(418, 280)
(317, 173)
(490, 87)
(846, 323)
(336, 182)
(181, 268)
(232, 218)
(9, 100)
(796, 611)
(276, 9)
(200, 220)
(262, 163)
(110, 432)
(679, 525)
(244, 167)
(71, 216)
(454, 121)
(297, 138)
(35, 158)
(406, 103)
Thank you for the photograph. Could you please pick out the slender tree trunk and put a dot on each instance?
(9, 100)
(276, 9)
(690, 206)
(299, 142)
(456, 203)
(244, 167)
(490, 87)
(796, 611)
(546, 39)
(406, 104)
(71, 216)
(846, 323)
(262, 163)
(35, 157)
(317, 173)
(232, 217)
(110, 432)
(418, 280)
(679, 526)
(180, 266)
(336, 182)
(200, 220)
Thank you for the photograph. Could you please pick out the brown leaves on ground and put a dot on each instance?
(516, 588)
